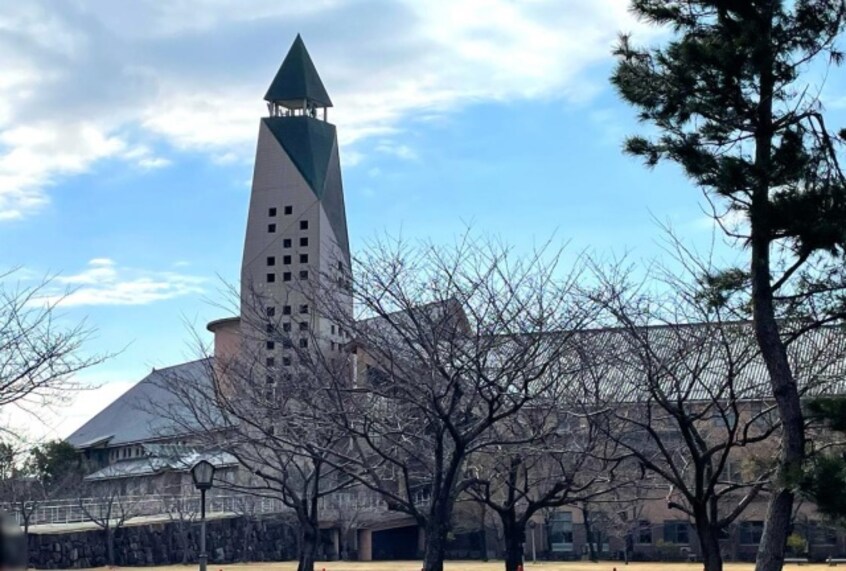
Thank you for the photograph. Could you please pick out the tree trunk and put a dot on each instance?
(514, 533)
(589, 534)
(110, 547)
(484, 531)
(309, 543)
(26, 539)
(709, 544)
(777, 525)
(183, 541)
(247, 540)
(436, 539)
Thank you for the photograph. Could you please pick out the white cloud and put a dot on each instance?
(103, 282)
(399, 151)
(38, 422)
(84, 82)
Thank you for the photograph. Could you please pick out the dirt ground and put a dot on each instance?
(476, 566)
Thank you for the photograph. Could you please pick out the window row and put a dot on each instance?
(286, 276)
(271, 228)
(271, 212)
(270, 310)
(286, 260)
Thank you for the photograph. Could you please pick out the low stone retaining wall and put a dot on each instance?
(228, 540)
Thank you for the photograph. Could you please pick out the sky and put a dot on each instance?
(127, 134)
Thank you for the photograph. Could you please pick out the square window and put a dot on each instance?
(304, 241)
(271, 211)
(286, 310)
(271, 311)
(271, 228)
(271, 260)
(286, 326)
(286, 361)
(270, 345)
(271, 278)
(286, 243)
(303, 258)
(303, 224)
(303, 326)
(676, 532)
(303, 308)
(286, 260)
(268, 327)
(269, 362)
(303, 343)
(286, 343)
(303, 274)
(286, 276)
(289, 210)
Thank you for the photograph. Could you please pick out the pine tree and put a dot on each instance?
(730, 98)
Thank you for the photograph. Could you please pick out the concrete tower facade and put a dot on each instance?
(296, 248)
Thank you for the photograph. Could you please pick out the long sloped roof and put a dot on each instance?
(297, 79)
(699, 361)
(132, 417)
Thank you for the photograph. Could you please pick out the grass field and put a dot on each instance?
(476, 566)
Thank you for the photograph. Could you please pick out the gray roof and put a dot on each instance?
(694, 360)
(132, 416)
(155, 464)
(297, 80)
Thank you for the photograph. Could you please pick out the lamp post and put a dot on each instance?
(532, 525)
(203, 475)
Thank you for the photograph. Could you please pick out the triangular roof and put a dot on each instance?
(297, 79)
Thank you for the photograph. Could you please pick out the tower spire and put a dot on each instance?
(297, 85)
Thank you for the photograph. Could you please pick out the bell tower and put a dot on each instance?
(296, 244)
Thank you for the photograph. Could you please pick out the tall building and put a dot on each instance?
(296, 248)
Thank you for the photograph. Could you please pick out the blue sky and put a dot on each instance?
(127, 132)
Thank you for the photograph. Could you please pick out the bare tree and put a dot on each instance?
(449, 342)
(685, 393)
(618, 514)
(260, 412)
(183, 511)
(559, 460)
(38, 355)
(105, 504)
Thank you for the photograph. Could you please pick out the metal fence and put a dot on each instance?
(79, 510)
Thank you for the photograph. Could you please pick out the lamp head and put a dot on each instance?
(203, 474)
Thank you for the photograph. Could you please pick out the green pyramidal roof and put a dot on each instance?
(297, 79)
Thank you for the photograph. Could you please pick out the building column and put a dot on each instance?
(336, 542)
(365, 545)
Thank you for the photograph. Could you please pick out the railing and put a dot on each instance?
(182, 507)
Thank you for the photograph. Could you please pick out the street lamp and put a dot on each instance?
(203, 475)
(532, 525)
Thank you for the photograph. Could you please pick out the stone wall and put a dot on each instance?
(228, 540)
